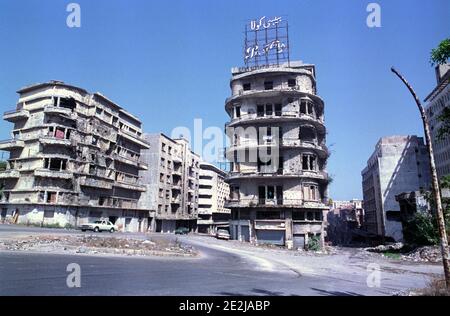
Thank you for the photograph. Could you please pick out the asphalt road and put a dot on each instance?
(215, 272)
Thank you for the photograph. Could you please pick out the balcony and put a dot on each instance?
(48, 140)
(283, 116)
(50, 109)
(320, 175)
(134, 138)
(11, 144)
(275, 203)
(57, 174)
(130, 186)
(15, 115)
(10, 174)
(130, 161)
(95, 183)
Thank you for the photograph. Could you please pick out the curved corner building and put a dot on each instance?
(278, 155)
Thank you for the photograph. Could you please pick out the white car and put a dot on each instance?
(223, 234)
(99, 226)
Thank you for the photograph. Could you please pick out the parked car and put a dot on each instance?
(99, 226)
(182, 231)
(223, 234)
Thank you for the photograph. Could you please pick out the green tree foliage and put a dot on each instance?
(441, 54)
(421, 230)
(2, 165)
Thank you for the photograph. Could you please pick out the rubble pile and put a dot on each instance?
(424, 254)
(95, 245)
(385, 248)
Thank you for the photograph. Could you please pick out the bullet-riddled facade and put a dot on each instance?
(172, 182)
(73, 157)
(278, 179)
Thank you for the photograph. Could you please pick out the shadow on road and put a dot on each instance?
(336, 293)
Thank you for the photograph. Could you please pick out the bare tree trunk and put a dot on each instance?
(435, 182)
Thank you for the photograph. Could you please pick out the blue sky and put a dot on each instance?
(169, 61)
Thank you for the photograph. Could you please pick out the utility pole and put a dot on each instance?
(435, 182)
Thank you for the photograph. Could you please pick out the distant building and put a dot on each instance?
(343, 219)
(439, 99)
(171, 183)
(213, 191)
(398, 164)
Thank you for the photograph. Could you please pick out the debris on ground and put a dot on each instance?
(424, 254)
(89, 244)
(384, 248)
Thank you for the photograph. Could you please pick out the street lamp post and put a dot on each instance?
(435, 183)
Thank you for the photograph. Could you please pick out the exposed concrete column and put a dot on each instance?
(289, 229)
(252, 230)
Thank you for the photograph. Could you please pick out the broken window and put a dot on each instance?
(318, 216)
(268, 85)
(51, 197)
(56, 164)
(247, 86)
(298, 215)
(50, 131)
(292, 83)
(91, 169)
(310, 216)
(234, 193)
(269, 109)
(306, 107)
(260, 110)
(307, 134)
(238, 112)
(68, 103)
(262, 194)
(308, 162)
(278, 109)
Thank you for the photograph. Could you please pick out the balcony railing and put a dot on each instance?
(274, 117)
(322, 175)
(274, 203)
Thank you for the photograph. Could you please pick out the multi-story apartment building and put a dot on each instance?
(171, 182)
(213, 192)
(398, 164)
(438, 100)
(278, 155)
(73, 157)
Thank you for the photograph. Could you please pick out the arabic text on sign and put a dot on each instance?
(256, 25)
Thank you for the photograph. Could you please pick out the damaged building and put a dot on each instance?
(213, 192)
(74, 157)
(278, 179)
(398, 164)
(172, 183)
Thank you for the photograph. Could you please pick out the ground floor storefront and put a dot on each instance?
(73, 216)
(293, 229)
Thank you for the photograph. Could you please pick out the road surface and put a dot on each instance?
(220, 269)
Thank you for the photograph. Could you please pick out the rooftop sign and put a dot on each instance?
(266, 42)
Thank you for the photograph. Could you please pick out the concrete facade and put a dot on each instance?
(172, 181)
(437, 101)
(398, 164)
(213, 192)
(73, 157)
(278, 179)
